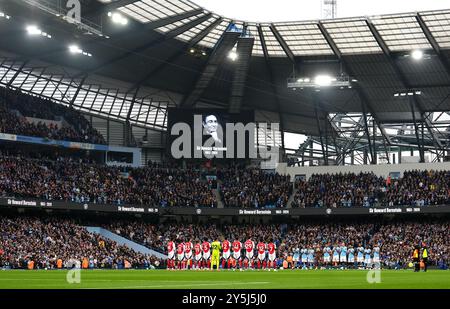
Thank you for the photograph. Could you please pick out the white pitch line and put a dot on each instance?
(182, 285)
(108, 280)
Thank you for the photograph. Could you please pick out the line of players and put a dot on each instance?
(186, 255)
(237, 255)
(338, 256)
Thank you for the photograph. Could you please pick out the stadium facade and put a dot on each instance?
(176, 56)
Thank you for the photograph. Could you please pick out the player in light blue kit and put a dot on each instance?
(360, 257)
(343, 256)
(351, 258)
(367, 259)
(376, 257)
(311, 258)
(336, 251)
(304, 253)
(327, 256)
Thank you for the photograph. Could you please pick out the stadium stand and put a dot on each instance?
(46, 240)
(73, 181)
(415, 188)
(254, 188)
(69, 179)
(16, 108)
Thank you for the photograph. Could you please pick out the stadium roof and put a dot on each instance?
(153, 52)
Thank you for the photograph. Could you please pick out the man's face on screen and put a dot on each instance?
(210, 124)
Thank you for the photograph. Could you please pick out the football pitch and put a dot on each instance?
(282, 279)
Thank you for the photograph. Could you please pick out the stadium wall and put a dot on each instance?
(20, 203)
(379, 170)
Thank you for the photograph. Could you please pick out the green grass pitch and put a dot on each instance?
(282, 279)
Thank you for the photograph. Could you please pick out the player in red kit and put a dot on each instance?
(261, 248)
(171, 255)
(206, 249)
(180, 255)
(226, 253)
(249, 246)
(272, 254)
(188, 254)
(237, 246)
(197, 255)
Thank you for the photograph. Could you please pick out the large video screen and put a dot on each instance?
(210, 133)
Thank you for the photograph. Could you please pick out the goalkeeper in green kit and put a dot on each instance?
(215, 256)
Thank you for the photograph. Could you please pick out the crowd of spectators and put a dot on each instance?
(70, 180)
(419, 188)
(156, 236)
(47, 242)
(415, 188)
(396, 239)
(80, 180)
(254, 188)
(78, 130)
(172, 187)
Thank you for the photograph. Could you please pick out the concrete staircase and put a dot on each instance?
(218, 199)
(217, 195)
(291, 198)
(124, 241)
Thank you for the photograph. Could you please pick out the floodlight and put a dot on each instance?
(417, 54)
(74, 49)
(118, 18)
(232, 55)
(323, 80)
(2, 14)
(408, 92)
(33, 30)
